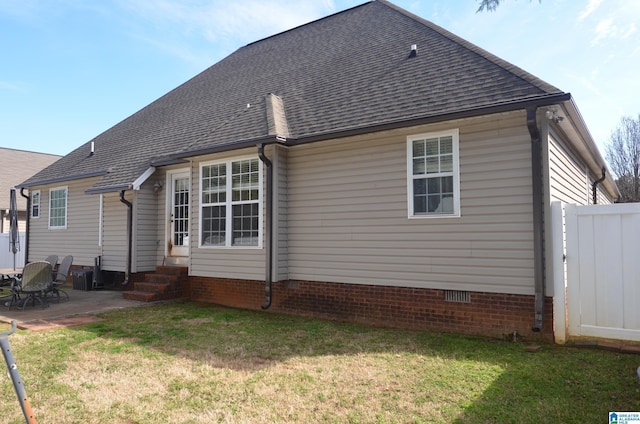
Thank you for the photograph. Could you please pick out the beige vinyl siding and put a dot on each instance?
(569, 181)
(114, 231)
(161, 221)
(348, 212)
(568, 178)
(229, 262)
(280, 231)
(147, 241)
(79, 238)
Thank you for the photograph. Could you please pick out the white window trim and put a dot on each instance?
(454, 133)
(66, 208)
(229, 203)
(33, 193)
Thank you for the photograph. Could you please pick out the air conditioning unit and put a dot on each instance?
(82, 279)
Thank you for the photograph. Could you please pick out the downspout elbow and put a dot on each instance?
(269, 226)
(129, 236)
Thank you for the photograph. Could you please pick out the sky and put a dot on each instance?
(71, 69)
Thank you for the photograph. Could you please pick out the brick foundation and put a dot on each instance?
(488, 314)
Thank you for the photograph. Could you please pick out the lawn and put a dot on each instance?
(195, 363)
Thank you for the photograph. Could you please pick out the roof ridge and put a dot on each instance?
(31, 152)
(309, 23)
(504, 64)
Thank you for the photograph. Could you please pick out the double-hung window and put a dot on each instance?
(58, 207)
(230, 194)
(35, 204)
(433, 176)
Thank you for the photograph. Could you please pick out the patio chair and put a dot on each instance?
(60, 278)
(53, 260)
(36, 279)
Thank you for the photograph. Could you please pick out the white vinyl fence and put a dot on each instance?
(601, 274)
(6, 256)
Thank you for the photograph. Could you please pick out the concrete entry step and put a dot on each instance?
(164, 284)
(181, 261)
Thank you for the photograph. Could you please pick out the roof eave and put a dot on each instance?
(29, 184)
(540, 101)
(238, 145)
(590, 152)
(108, 189)
(166, 161)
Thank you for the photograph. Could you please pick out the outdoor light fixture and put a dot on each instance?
(157, 186)
(552, 115)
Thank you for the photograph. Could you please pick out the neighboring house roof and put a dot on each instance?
(16, 166)
(351, 72)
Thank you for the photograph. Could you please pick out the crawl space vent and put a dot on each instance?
(457, 296)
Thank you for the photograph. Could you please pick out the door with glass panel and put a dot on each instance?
(179, 214)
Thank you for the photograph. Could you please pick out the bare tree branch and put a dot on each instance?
(488, 5)
(491, 5)
(623, 155)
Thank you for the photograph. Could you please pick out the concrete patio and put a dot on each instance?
(81, 308)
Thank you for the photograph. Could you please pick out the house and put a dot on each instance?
(369, 166)
(17, 166)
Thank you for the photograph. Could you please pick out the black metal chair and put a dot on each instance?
(60, 278)
(53, 260)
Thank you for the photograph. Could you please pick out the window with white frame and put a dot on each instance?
(35, 204)
(433, 176)
(58, 207)
(230, 194)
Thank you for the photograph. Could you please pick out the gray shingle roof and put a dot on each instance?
(350, 71)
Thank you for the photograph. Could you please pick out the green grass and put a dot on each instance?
(194, 363)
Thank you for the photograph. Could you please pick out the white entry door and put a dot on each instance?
(179, 214)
